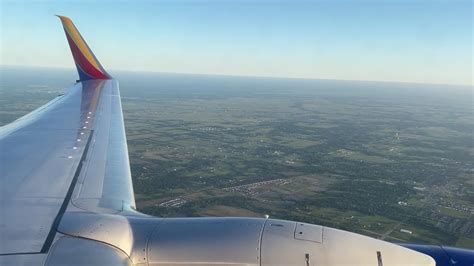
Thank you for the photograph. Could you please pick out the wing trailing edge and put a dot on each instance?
(87, 65)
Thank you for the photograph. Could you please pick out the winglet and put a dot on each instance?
(87, 64)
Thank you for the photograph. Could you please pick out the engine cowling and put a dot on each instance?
(246, 241)
(235, 241)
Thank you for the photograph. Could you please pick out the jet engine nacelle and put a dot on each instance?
(246, 241)
(230, 241)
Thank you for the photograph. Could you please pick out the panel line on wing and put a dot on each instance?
(52, 232)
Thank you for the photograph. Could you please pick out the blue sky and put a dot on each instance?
(425, 41)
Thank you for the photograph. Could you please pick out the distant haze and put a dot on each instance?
(409, 41)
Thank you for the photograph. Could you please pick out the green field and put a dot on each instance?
(372, 158)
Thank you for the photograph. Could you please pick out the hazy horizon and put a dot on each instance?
(398, 41)
(111, 71)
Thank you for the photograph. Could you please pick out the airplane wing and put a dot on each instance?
(67, 198)
(72, 150)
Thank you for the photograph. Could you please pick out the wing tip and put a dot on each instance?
(63, 18)
(88, 66)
